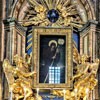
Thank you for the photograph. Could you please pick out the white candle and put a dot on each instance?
(75, 94)
(87, 94)
(64, 91)
(25, 93)
(11, 94)
(37, 93)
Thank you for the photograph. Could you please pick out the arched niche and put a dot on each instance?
(20, 6)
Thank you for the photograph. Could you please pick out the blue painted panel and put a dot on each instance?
(28, 37)
(76, 39)
(46, 96)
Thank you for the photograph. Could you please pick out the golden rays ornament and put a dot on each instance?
(38, 12)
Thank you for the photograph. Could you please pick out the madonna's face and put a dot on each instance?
(53, 47)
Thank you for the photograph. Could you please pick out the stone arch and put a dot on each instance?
(20, 6)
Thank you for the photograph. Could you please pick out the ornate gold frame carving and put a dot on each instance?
(67, 32)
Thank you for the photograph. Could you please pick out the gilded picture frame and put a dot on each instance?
(61, 40)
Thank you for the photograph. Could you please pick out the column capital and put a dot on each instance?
(9, 22)
(89, 23)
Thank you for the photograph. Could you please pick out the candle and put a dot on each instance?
(87, 94)
(11, 94)
(75, 94)
(25, 93)
(64, 91)
(37, 93)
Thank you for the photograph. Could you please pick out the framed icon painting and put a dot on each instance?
(52, 57)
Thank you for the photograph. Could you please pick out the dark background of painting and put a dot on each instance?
(44, 40)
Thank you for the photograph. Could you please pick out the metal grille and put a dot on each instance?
(54, 75)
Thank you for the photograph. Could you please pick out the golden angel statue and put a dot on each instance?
(19, 79)
(84, 79)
